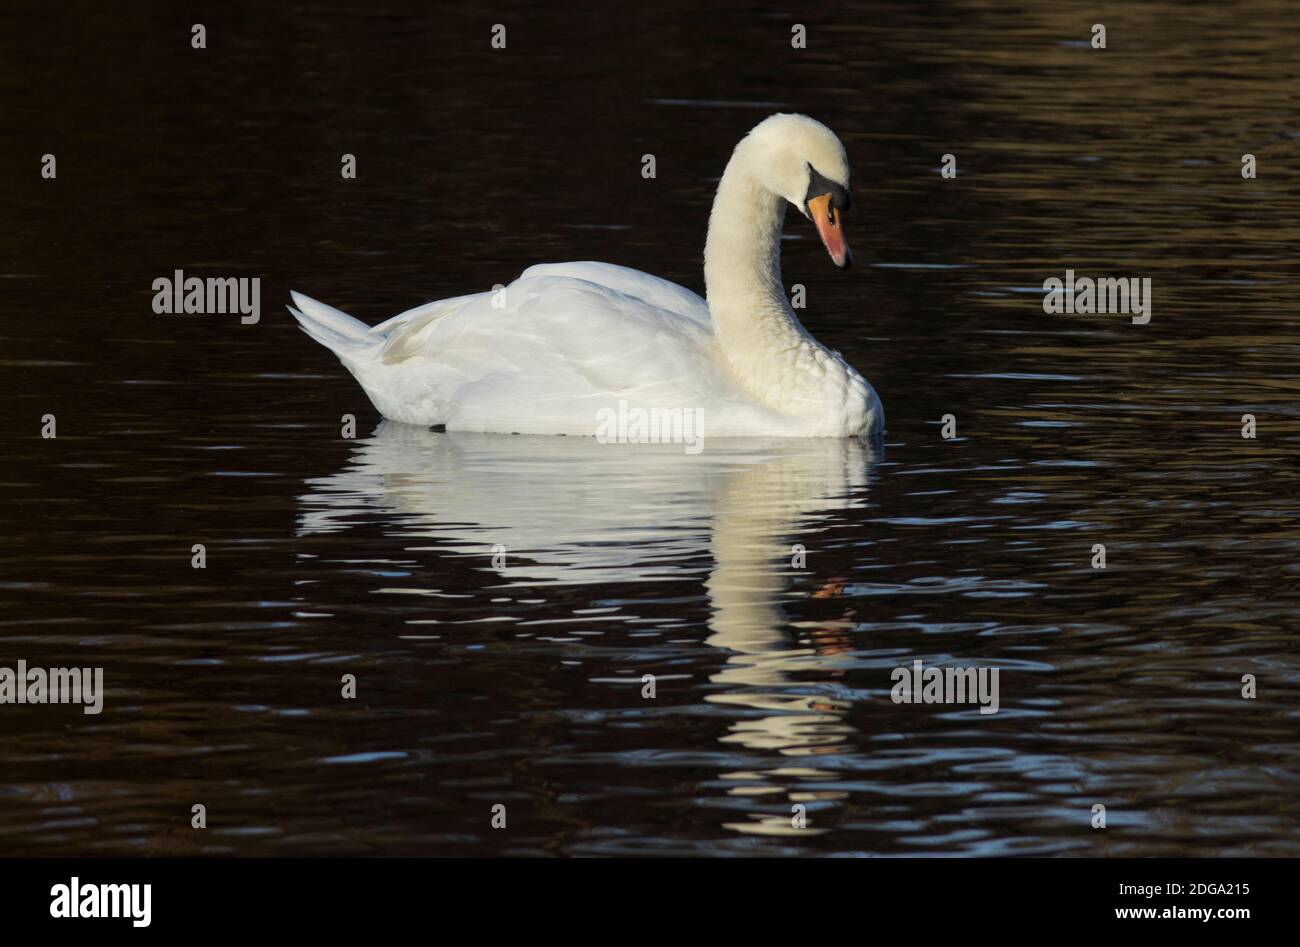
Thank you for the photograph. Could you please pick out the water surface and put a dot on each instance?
(483, 681)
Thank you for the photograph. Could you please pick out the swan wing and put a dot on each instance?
(549, 351)
(629, 282)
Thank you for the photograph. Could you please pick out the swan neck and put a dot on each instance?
(753, 320)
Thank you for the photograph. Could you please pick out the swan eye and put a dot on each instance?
(819, 184)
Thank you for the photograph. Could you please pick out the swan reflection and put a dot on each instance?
(573, 511)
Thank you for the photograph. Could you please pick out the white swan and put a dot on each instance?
(566, 344)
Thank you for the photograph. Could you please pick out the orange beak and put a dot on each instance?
(829, 221)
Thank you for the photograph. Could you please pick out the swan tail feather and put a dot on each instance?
(343, 335)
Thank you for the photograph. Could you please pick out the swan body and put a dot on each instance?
(564, 345)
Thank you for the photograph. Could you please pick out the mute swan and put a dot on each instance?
(566, 344)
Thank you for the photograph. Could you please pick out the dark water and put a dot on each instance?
(521, 685)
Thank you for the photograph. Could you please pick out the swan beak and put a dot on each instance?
(829, 221)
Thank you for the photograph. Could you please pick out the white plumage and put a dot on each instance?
(565, 342)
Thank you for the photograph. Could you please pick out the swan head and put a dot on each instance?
(799, 159)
